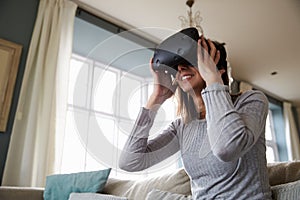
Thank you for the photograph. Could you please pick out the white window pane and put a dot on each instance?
(74, 150)
(104, 90)
(150, 89)
(268, 129)
(101, 140)
(270, 154)
(78, 83)
(93, 164)
(106, 126)
(169, 109)
(130, 97)
(134, 103)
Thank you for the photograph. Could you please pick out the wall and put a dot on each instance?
(17, 20)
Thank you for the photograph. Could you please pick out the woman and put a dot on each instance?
(221, 140)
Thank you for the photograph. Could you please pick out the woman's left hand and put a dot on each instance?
(207, 62)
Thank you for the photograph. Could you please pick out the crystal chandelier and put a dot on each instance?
(191, 21)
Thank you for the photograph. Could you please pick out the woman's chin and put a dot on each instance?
(187, 89)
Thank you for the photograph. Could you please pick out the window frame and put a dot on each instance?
(116, 117)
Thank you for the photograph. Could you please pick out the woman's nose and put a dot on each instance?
(181, 68)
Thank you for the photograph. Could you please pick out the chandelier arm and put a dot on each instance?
(191, 21)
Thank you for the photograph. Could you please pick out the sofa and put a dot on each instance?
(284, 178)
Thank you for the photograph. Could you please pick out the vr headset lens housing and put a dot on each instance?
(181, 49)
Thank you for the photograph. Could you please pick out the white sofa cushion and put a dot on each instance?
(164, 195)
(290, 191)
(94, 196)
(175, 182)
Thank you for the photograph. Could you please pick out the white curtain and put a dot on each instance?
(291, 133)
(41, 110)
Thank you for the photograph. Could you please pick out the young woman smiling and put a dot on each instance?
(221, 139)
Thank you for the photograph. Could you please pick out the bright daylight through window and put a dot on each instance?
(91, 113)
(272, 150)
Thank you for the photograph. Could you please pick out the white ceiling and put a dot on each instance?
(261, 36)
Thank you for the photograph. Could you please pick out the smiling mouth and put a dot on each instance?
(186, 77)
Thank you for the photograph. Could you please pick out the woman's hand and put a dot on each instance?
(163, 88)
(207, 62)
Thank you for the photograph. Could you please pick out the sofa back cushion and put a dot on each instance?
(283, 172)
(175, 182)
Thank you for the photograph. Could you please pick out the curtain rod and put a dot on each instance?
(115, 21)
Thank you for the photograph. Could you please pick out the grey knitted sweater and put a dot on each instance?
(224, 154)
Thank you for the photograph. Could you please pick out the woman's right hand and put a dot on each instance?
(163, 88)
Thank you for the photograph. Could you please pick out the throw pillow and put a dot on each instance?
(60, 186)
(175, 182)
(164, 195)
(94, 196)
(290, 191)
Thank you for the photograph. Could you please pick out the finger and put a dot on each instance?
(151, 62)
(200, 51)
(213, 49)
(151, 66)
(204, 44)
(217, 58)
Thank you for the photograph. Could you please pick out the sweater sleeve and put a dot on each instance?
(233, 129)
(140, 152)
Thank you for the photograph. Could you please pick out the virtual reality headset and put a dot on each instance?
(178, 49)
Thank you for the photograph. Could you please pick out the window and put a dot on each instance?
(103, 103)
(109, 80)
(271, 144)
(275, 129)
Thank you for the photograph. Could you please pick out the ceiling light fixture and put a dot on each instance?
(274, 73)
(191, 21)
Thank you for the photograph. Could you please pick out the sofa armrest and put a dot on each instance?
(21, 193)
